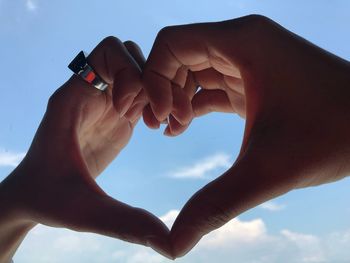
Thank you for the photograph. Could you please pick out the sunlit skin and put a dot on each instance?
(80, 134)
(293, 95)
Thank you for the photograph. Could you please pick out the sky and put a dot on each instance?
(38, 40)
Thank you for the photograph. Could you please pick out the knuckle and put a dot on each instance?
(215, 215)
(166, 32)
(257, 19)
(54, 99)
(130, 43)
(135, 51)
(259, 25)
(249, 23)
(110, 41)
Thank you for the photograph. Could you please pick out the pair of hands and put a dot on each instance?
(293, 95)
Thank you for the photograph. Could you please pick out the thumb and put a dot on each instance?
(91, 210)
(247, 184)
(207, 101)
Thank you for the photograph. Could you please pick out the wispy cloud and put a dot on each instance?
(31, 5)
(236, 233)
(202, 168)
(309, 246)
(272, 206)
(10, 158)
(246, 240)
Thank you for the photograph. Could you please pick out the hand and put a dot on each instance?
(294, 96)
(81, 133)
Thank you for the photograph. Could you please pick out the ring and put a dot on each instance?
(81, 68)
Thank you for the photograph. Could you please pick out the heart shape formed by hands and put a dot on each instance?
(255, 68)
(280, 83)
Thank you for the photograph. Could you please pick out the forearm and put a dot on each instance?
(13, 225)
(11, 236)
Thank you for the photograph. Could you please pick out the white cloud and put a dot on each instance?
(244, 241)
(169, 218)
(118, 255)
(31, 5)
(299, 238)
(309, 246)
(272, 206)
(202, 168)
(72, 243)
(235, 233)
(10, 158)
(45, 244)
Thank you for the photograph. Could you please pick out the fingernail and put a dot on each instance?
(159, 113)
(183, 123)
(160, 245)
(184, 119)
(167, 131)
(135, 112)
(165, 121)
(154, 125)
(124, 105)
(157, 126)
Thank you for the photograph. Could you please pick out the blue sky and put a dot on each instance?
(39, 38)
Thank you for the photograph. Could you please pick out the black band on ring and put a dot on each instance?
(80, 67)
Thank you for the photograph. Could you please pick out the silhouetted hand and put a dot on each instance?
(294, 96)
(81, 133)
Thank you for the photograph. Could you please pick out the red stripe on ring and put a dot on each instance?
(90, 76)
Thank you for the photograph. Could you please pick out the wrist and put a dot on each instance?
(14, 225)
(12, 233)
(337, 114)
(342, 116)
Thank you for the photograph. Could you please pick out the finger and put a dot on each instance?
(224, 46)
(140, 102)
(182, 108)
(182, 112)
(212, 79)
(115, 65)
(174, 128)
(98, 213)
(247, 184)
(135, 111)
(135, 52)
(206, 101)
(191, 85)
(160, 73)
(176, 48)
(209, 79)
(149, 118)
